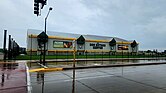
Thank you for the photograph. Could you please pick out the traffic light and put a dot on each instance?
(36, 7)
(43, 2)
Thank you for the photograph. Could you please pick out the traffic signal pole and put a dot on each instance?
(37, 12)
(44, 53)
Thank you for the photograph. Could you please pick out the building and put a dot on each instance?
(59, 43)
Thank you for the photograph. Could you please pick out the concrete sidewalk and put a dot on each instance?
(13, 77)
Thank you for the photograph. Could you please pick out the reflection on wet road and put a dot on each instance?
(96, 63)
(13, 77)
(134, 79)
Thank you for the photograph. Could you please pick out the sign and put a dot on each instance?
(57, 44)
(42, 38)
(123, 47)
(67, 44)
(97, 45)
(62, 44)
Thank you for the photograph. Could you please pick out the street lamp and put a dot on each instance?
(44, 54)
(46, 18)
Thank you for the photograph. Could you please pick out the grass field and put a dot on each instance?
(35, 57)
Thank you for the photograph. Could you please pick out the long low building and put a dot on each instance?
(59, 42)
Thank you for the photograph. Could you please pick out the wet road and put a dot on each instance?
(13, 77)
(96, 63)
(140, 79)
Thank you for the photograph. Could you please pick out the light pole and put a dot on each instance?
(44, 54)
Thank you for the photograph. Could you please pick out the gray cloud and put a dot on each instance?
(142, 20)
(134, 19)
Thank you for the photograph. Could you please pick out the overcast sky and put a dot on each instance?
(140, 20)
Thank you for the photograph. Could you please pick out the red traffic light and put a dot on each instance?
(36, 7)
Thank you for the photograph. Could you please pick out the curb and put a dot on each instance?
(87, 67)
(116, 65)
(45, 69)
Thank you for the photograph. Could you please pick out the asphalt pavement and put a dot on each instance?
(133, 79)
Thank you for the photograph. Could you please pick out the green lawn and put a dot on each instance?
(36, 57)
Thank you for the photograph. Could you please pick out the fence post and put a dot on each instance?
(109, 54)
(56, 54)
(86, 54)
(102, 55)
(31, 52)
(9, 48)
(4, 45)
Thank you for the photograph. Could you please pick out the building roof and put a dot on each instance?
(71, 35)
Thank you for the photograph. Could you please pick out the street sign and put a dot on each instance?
(42, 38)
